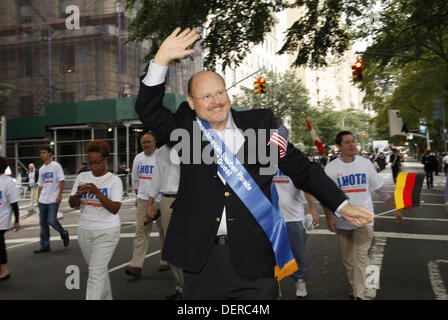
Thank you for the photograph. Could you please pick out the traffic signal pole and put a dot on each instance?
(243, 79)
(421, 59)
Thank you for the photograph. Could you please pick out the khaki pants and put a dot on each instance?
(142, 232)
(33, 197)
(166, 210)
(355, 245)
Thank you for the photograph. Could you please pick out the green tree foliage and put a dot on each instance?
(324, 29)
(407, 63)
(232, 27)
(327, 123)
(285, 95)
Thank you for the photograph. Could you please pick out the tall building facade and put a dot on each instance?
(56, 51)
(333, 82)
(260, 57)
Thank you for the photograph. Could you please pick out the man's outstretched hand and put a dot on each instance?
(357, 215)
(175, 46)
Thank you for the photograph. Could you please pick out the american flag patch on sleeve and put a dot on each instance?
(280, 139)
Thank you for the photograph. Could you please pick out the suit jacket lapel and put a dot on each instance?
(243, 127)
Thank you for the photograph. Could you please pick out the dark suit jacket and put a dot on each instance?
(201, 198)
(36, 175)
(395, 164)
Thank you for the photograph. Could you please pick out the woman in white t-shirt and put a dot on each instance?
(8, 200)
(99, 192)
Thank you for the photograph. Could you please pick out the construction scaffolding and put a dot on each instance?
(58, 55)
(69, 143)
(48, 60)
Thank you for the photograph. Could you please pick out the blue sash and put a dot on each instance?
(267, 215)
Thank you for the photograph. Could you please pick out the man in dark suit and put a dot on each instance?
(395, 163)
(212, 235)
(429, 161)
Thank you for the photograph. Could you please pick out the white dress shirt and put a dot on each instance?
(167, 173)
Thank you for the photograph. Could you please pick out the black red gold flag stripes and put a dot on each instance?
(407, 189)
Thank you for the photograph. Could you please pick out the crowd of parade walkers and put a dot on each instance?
(99, 193)
(434, 162)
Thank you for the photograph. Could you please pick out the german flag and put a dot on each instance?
(407, 189)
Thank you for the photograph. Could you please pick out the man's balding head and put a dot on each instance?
(201, 75)
(207, 95)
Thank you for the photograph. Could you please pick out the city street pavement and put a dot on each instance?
(412, 258)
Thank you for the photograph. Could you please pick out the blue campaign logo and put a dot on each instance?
(352, 179)
(1, 195)
(89, 195)
(146, 169)
(47, 175)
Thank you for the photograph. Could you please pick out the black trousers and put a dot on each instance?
(3, 256)
(429, 178)
(395, 171)
(219, 281)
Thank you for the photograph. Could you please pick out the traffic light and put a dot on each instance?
(357, 71)
(262, 82)
(260, 86)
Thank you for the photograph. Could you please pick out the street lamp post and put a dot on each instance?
(343, 118)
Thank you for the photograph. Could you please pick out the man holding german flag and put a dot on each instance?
(355, 176)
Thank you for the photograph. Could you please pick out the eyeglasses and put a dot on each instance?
(96, 162)
(209, 97)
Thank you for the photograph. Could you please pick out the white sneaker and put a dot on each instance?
(301, 289)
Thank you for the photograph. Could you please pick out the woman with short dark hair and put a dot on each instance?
(8, 199)
(99, 193)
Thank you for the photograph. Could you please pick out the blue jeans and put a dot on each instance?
(297, 240)
(48, 216)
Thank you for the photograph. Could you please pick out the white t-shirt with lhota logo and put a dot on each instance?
(355, 179)
(49, 177)
(93, 215)
(289, 198)
(8, 195)
(143, 169)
